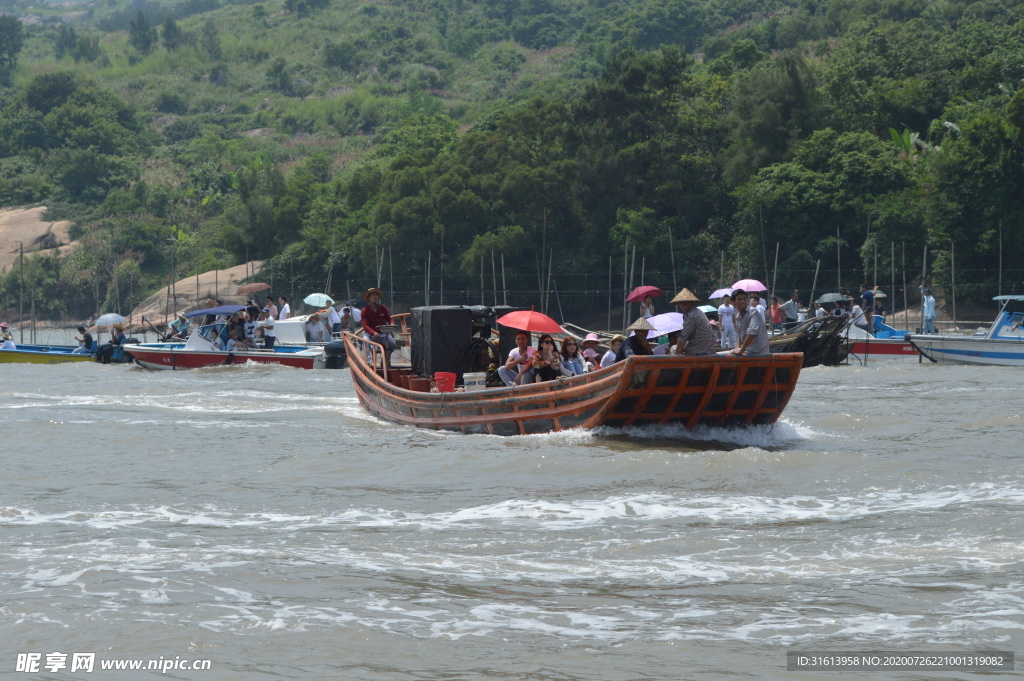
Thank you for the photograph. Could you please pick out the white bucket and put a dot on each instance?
(475, 382)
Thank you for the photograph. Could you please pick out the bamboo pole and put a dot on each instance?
(21, 295)
(775, 275)
(1000, 258)
(494, 279)
(810, 304)
(547, 289)
(391, 276)
(839, 265)
(426, 283)
(952, 274)
(440, 260)
(632, 271)
(504, 287)
(625, 281)
(924, 271)
(906, 307)
(609, 327)
(483, 301)
(672, 255)
(558, 299)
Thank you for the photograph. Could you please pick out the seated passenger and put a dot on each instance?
(637, 343)
(517, 358)
(106, 351)
(86, 343)
(179, 328)
(666, 348)
(572, 360)
(593, 359)
(5, 336)
(608, 358)
(546, 362)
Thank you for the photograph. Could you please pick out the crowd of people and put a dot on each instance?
(548, 361)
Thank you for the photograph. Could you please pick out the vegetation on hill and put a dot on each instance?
(318, 133)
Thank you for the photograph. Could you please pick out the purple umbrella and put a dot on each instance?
(664, 324)
(749, 285)
(721, 292)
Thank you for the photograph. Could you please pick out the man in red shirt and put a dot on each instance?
(374, 315)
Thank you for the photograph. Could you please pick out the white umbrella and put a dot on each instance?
(665, 323)
(108, 319)
(318, 299)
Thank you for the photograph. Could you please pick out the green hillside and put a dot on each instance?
(317, 134)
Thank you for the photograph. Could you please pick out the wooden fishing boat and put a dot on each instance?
(716, 391)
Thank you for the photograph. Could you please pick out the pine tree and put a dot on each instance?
(141, 35)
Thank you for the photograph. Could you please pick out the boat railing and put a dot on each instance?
(372, 351)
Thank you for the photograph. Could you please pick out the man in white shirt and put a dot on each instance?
(791, 308)
(757, 304)
(857, 317)
(333, 320)
(516, 359)
(666, 348)
(286, 310)
(928, 305)
(726, 313)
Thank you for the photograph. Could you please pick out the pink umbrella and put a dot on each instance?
(749, 285)
(638, 294)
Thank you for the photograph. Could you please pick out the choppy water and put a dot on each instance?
(257, 517)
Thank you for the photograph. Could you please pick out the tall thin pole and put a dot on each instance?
(609, 326)
(391, 276)
(426, 283)
(441, 262)
(906, 307)
(672, 255)
(632, 271)
(952, 274)
(892, 275)
(483, 301)
(874, 281)
(494, 279)
(924, 271)
(1000, 258)
(721, 269)
(643, 268)
(775, 275)
(21, 295)
(839, 265)
(547, 289)
(625, 281)
(810, 303)
(504, 288)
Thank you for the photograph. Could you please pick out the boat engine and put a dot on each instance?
(454, 338)
(334, 355)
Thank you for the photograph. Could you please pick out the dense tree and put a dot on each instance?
(141, 34)
(12, 39)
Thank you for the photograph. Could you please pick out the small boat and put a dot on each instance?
(714, 390)
(822, 341)
(1001, 345)
(43, 354)
(200, 350)
(887, 342)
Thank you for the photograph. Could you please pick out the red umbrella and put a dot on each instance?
(640, 292)
(251, 288)
(531, 321)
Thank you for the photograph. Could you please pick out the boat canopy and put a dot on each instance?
(1014, 297)
(223, 309)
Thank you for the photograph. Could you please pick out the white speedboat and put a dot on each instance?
(1002, 345)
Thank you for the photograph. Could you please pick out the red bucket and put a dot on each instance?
(445, 382)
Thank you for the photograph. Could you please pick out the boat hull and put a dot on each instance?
(42, 354)
(970, 350)
(690, 391)
(177, 358)
(891, 347)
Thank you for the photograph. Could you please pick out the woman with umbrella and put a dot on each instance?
(644, 295)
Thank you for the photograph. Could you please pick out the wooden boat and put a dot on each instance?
(822, 341)
(716, 391)
(43, 354)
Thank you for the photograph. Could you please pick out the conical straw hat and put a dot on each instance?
(640, 325)
(685, 296)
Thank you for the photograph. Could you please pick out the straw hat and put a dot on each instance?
(618, 337)
(366, 296)
(641, 324)
(119, 327)
(685, 296)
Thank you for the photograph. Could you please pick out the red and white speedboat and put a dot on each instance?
(203, 350)
(886, 343)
